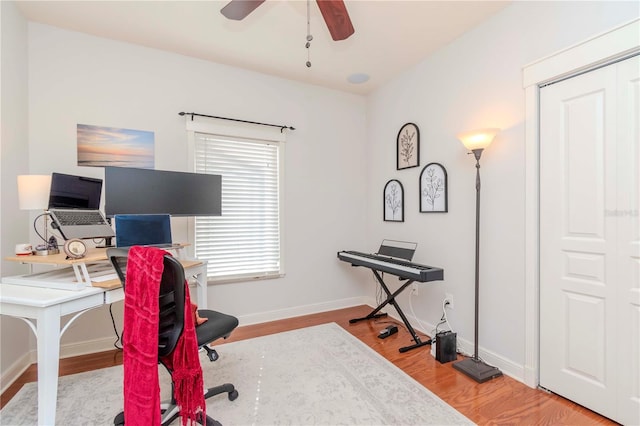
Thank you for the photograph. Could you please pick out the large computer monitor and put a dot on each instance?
(147, 191)
(74, 192)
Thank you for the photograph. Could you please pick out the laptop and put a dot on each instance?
(80, 223)
(73, 206)
(143, 230)
(401, 250)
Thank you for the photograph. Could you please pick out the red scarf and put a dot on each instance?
(141, 384)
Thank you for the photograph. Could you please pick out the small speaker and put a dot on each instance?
(446, 346)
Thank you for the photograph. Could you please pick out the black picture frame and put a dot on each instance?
(393, 201)
(408, 147)
(434, 189)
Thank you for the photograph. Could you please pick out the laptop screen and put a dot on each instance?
(142, 229)
(74, 192)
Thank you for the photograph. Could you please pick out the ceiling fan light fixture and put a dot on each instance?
(334, 12)
(358, 78)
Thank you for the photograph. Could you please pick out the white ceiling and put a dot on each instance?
(390, 36)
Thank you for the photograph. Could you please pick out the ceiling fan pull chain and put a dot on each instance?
(309, 36)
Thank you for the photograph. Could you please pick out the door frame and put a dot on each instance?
(611, 46)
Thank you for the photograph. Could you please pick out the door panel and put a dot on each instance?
(578, 240)
(585, 356)
(582, 155)
(628, 216)
(590, 240)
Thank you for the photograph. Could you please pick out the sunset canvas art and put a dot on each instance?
(109, 146)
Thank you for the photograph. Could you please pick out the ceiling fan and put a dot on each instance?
(334, 13)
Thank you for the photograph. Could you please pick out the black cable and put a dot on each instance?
(115, 330)
(36, 229)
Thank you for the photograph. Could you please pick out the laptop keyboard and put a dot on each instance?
(79, 217)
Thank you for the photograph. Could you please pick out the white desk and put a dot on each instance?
(42, 309)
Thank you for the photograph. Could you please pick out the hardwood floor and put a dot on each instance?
(498, 401)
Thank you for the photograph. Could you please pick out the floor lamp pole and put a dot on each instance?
(477, 153)
(474, 367)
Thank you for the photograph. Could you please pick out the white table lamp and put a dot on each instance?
(33, 194)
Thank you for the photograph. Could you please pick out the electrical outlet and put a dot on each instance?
(414, 289)
(448, 297)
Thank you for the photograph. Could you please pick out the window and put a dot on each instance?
(245, 241)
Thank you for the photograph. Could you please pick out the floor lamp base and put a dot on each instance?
(477, 370)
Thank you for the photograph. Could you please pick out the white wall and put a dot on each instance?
(475, 82)
(75, 78)
(14, 148)
(14, 151)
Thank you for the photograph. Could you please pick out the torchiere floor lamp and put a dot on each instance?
(476, 141)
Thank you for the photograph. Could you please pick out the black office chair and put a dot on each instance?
(171, 323)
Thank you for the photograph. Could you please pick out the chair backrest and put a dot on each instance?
(171, 297)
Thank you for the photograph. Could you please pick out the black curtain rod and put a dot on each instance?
(192, 114)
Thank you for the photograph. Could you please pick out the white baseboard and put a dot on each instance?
(297, 311)
(507, 366)
(106, 344)
(15, 370)
(66, 351)
(87, 347)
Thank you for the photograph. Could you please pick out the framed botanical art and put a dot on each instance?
(393, 207)
(408, 147)
(433, 189)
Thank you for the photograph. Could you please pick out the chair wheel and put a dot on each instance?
(211, 353)
(119, 419)
(233, 395)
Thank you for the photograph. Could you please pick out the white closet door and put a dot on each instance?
(589, 240)
(628, 267)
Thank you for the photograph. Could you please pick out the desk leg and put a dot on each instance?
(48, 361)
(201, 282)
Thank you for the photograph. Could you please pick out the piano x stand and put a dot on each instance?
(391, 299)
(407, 271)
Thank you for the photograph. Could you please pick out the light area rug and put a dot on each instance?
(319, 375)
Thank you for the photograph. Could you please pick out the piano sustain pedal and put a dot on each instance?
(388, 331)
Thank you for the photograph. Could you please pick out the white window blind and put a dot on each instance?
(244, 242)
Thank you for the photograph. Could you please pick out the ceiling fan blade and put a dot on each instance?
(239, 9)
(337, 18)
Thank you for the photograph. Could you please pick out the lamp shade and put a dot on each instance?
(478, 139)
(33, 192)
